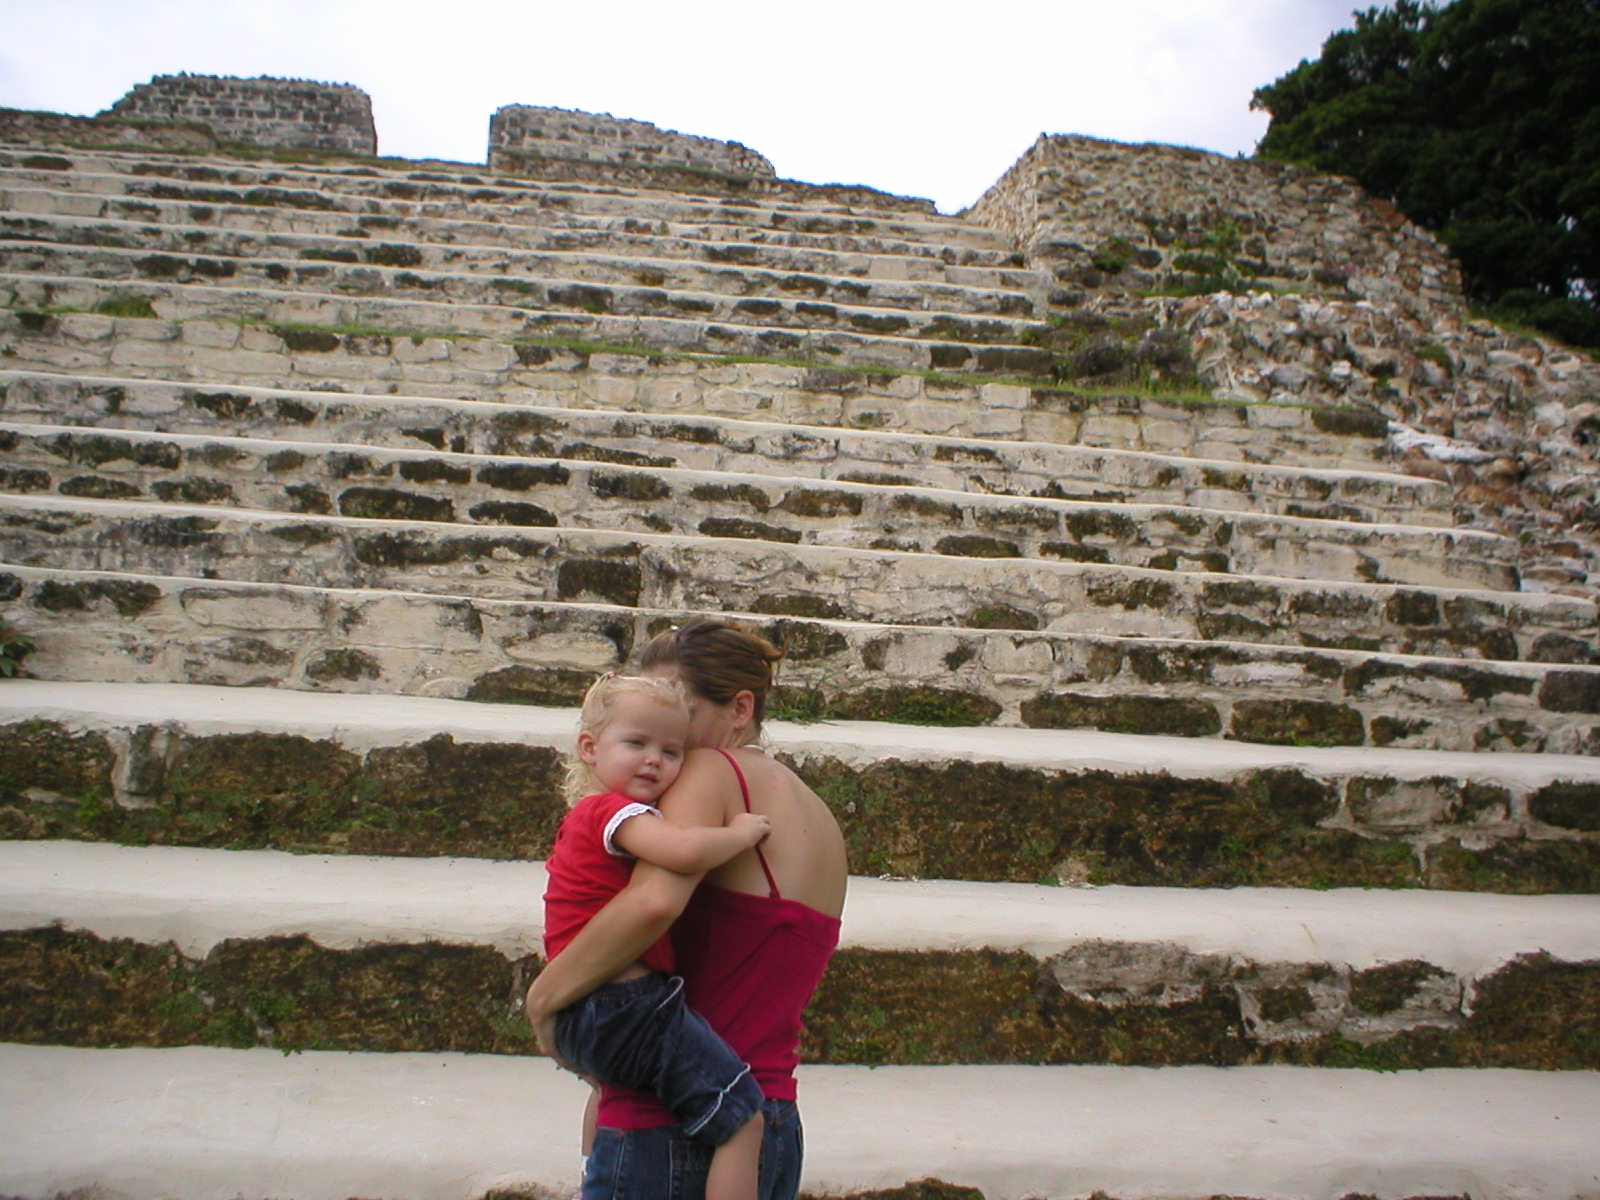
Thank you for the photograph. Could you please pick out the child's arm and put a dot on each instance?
(689, 851)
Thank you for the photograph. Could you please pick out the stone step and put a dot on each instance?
(370, 189)
(320, 772)
(182, 1124)
(736, 296)
(330, 314)
(738, 573)
(515, 276)
(964, 972)
(980, 466)
(771, 506)
(170, 628)
(243, 354)
(861, 256)
(600, 255)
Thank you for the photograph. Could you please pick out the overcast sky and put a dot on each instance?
(925, 99)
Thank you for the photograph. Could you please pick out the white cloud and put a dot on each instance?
(903, 96)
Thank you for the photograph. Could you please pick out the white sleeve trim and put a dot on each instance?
(615, 823)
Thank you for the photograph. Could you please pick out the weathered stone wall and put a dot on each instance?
(57, 129)
(262, 111)
(1069, 198)
(519, 133)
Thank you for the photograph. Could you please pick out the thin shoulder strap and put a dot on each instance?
(744, 791)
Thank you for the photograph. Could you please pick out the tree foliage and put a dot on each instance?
(1480, 120)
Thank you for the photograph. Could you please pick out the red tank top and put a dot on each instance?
(749, 965)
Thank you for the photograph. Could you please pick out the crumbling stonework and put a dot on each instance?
(1512, 423)
(262, 111)
(1086, 204)
(520, 133)
(25, 128)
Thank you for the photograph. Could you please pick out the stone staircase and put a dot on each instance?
(1222, 814)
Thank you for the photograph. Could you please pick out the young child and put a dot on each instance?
(636, 1031)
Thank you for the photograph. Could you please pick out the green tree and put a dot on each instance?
(1480, 120)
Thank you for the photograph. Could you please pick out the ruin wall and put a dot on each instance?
(521, 133)
(1068, 197)
(262, 111)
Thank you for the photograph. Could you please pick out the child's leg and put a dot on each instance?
(586, 1142)
(736, 1164)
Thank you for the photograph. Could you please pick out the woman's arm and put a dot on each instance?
(636, 916)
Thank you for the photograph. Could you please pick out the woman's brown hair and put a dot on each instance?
(716, 661)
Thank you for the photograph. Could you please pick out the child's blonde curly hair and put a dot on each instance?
(598, 705)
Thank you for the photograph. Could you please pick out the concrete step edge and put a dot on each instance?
(192, 1123)
(198, 898)
(367, 720)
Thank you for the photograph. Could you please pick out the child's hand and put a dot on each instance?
(753, 826)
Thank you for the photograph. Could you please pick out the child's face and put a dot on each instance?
(640, 751)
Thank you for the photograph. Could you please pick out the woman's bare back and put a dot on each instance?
(805, 851)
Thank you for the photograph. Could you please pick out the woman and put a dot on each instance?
(752, 942)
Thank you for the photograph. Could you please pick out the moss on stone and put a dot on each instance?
(522, 477)
(738, 527)
(636, 487)
(821, 503)
(923, 705)
(976, 545)
(999, 616)
(1384, 989)
(343, 664)
(1573, 806)
(1131, 593)
(284, 792)
(196, 490)
(1296, 723)
(287, 993)
(546, 687)
(1166, 715)
(617, 580)
(433, 470)
(512, 512)
(1522, 866)
(129, 598)
(1350, 422)
(390, 504)
(732, 493)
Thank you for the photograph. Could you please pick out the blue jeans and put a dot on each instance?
(667, 1164)
(640, 1034)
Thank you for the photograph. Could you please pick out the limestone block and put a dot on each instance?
(1004, 395)
(212, 335)
(1171, 437)
(227, 363)
(1111, 431)
(276, 610)
(428, 350)
(571, 651)
(87, 327)
(146, 329)
(1033, 658)
(333, 366)
(254, 337)
(480, 355)
(237, 661)
(1401, 804)
(997, 423)
(61, 357)
(441, 376)
(423, 624)
(931, 416)
(669, 394)
(149, 355)
(616, 392)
